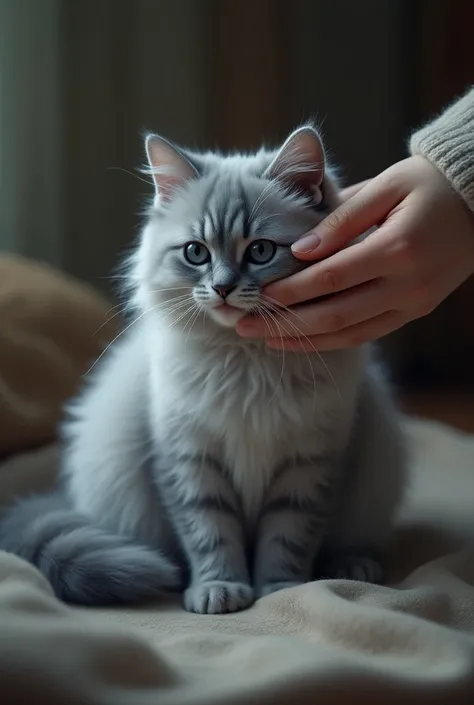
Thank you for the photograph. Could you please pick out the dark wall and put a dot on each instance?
(233, 74)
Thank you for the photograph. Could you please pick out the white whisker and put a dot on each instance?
(172, 288)
(278, 308)
(108, 320)
(310, 366)
(138, 318)
(174, 308)
(130, 173)
(117, 337)
(175, 299)
(191, 321)
(183, 315)
(266, 312)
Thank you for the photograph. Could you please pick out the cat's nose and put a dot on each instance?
(224, 289)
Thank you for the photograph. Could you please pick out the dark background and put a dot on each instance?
(217, 73)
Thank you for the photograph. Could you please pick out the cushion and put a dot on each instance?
(52, 329)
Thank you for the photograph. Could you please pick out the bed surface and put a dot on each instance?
(325, 642)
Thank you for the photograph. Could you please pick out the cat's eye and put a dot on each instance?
(260, 251)
(197, 253)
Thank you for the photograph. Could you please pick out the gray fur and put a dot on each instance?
(194, 456)
(84, 563)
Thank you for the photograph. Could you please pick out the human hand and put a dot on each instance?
(422, 250)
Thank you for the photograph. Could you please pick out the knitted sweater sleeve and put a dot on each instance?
(448, 143)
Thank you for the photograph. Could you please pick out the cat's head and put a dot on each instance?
(221, 227)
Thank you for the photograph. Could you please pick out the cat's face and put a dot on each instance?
(228, 274)
(221, 228)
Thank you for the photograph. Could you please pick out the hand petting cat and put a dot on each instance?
(421, 250)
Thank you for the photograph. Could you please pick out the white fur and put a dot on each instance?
(181, 382)
(203, 382)
(233, 395)
(254, 405)
(197, 459)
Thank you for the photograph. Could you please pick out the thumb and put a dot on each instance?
(367, 208)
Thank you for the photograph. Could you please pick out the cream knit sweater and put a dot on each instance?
(448, 143)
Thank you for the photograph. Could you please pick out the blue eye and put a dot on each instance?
(196, 253)
(260, 251)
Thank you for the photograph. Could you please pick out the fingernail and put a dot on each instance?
(306, 244)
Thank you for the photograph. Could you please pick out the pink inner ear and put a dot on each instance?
(171, 169)
(300, 162)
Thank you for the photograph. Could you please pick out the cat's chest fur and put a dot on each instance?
(251, 407)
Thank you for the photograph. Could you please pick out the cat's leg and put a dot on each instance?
(107, 457)
(207, 517)
(293, 522)
(375, 480)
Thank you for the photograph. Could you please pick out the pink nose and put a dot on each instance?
(223, 289)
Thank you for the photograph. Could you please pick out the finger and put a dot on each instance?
(329, 316)
(350, 191)
(273, 322)
(366, 209)
(348, 338)
(355, 265)
(338, 312)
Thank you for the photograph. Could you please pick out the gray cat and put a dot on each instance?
(201, 462)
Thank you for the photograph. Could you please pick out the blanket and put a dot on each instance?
(331, 642)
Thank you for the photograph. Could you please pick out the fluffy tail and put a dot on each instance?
(84, 564)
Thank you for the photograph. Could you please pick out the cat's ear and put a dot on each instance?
(300, 163)
(168, 166)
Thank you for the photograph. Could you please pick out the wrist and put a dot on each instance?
(448, 144)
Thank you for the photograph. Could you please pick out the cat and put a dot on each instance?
(200, 462)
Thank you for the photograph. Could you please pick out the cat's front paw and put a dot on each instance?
(218, 597)
(275, 587)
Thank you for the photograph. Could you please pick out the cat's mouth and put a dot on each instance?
(226, 314)
(225, 308)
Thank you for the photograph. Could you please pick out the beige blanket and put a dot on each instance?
(326, 642)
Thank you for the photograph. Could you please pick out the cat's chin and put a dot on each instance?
(226, 316)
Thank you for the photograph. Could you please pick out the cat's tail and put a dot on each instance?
(84, 564)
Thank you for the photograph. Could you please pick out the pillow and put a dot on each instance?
(52, 328)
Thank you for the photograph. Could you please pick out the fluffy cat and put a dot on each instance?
(201, 462)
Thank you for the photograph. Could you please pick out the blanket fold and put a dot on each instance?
(331, 642)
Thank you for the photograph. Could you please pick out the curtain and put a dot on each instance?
(81, 79)
(30, 127)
